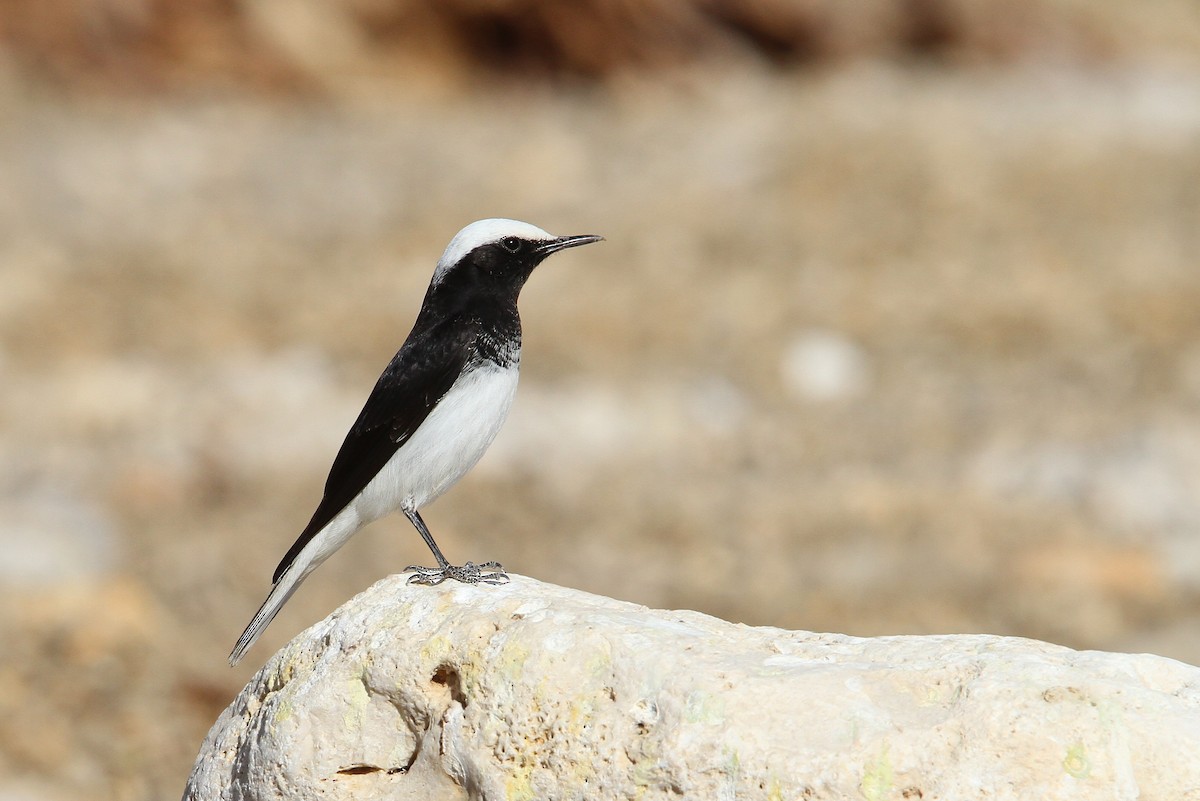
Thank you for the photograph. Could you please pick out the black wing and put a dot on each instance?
(418, 376)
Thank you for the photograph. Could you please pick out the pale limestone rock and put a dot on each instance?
(532, 691)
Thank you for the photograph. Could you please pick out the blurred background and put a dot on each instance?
(896, 330)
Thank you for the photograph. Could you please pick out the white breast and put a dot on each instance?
(445, 446)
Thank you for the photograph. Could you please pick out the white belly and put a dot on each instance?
(445, 446)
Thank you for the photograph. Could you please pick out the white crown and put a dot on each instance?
(482, 232)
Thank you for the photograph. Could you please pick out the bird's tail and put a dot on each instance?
(276, 598)
(315, 551)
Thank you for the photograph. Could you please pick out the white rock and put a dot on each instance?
(531, 691)
(825, 366)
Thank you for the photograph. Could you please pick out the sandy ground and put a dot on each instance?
(870, 351)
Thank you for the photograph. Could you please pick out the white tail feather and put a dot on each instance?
(319, 548)
(279, 595)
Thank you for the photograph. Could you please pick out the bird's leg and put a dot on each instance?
(414, 517)
(470, 573)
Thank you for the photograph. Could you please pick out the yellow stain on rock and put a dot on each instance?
(702, 707)
(512, 658)
(1076, 762)
(518, 786)
(436, 649)
(283, 711)
(357, 699)
(877, 777)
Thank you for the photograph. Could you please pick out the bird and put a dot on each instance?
(433, 412)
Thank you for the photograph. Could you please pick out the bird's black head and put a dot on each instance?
(495, 257)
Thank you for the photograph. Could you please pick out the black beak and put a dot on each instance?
(564, 242)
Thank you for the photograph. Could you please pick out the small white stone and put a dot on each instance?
(825, 366)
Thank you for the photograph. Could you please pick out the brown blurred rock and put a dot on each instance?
(91, 621)
(1124, 572)
(334, 46)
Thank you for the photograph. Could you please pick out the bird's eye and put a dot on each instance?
(511, 243)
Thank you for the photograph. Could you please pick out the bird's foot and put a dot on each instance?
(470, 573)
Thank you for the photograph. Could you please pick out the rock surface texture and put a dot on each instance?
(532, 691)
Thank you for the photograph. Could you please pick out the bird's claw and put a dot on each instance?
(470, 573)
